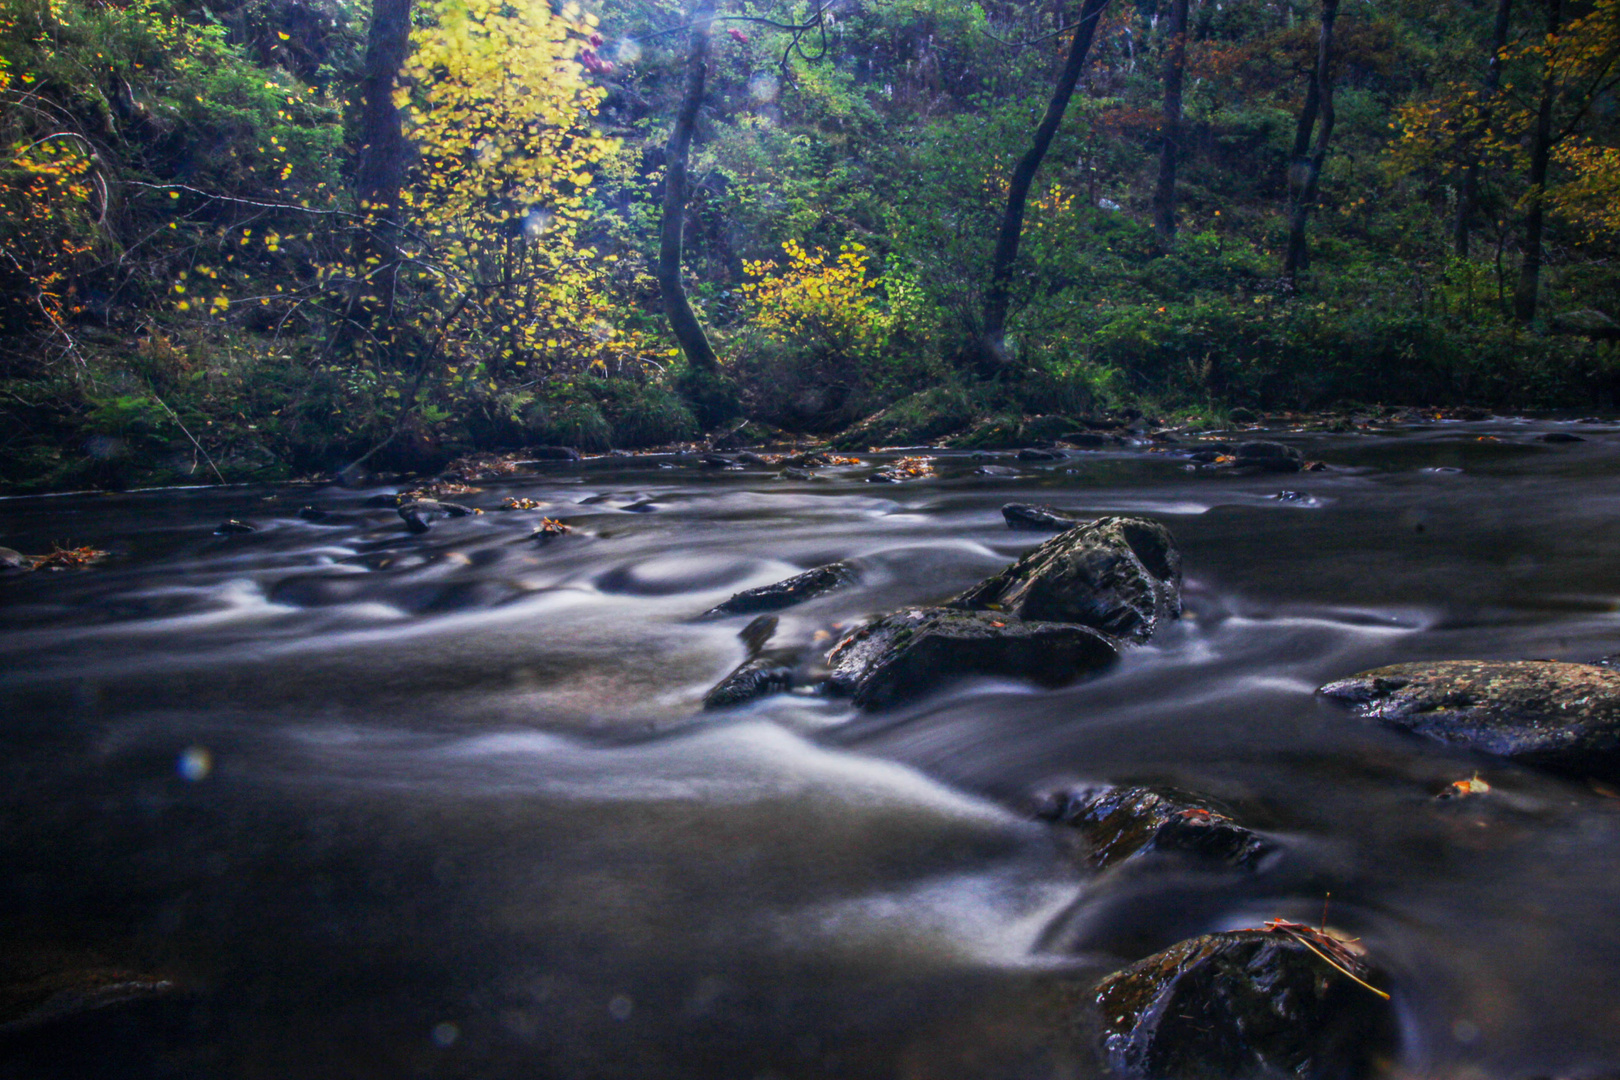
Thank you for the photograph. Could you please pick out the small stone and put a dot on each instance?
(234, 528)
(1559, 437)
(1118, 823)
(14, 560)
(1037, 516)
(786, 593)
(1032, 453)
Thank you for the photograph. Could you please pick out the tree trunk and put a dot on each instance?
(1305, 172)
(1468, 195)
(993, 340)
(683, 321)
(380, 172)
(1175, 66)
(1525, 296)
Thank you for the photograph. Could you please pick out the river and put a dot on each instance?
(371, 804)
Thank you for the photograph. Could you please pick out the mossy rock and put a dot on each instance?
(921, 418)
(1248, 1003)
(1119, 575)
(1558, 716)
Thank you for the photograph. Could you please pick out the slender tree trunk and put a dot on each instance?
(1175, 67)
(1526, 295)
(1305, 172)
(380, 173)
(1468, 195)
(993, 340)
(683, 321)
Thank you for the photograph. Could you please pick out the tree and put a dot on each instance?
(992, 345)
(384, 153)
(1468, 191)
(1305, 164)
(683, 322)
(1175, 66)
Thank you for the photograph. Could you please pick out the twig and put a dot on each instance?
(189, 435)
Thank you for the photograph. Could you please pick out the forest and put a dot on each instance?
(276, 239)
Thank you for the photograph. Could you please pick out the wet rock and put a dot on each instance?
(1119, 575)
(1559, 437)
(905, 653)
(11, 561)
(1032, 453)
(1268, 456)
(764, 672)
(388, 501)
(1554, 715)
(419, 513)
(1208, 455)
(1117, 823)
(312, 513)
(1247, 1003)
(551, 453)
(33, 994)
(996, 470)
(1037, 516)
(718, 461)
(748, 457)
(794, 590)
(234, 528)
(798, 474)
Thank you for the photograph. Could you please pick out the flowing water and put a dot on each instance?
(376, 805)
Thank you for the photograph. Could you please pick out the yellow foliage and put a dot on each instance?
(502, 114)
(829, 301)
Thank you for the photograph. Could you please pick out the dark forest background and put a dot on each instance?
(273, 238)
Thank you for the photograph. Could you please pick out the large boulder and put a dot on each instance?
(1117, 823)
(1559, 716)
(905, 653)
(1247, 1003)
(1120, 575)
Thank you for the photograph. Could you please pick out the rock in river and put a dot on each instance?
(764, 672)
(786, 593)
(1559, 716)
(1119, 822)
(1120, 575)
(1247, 1003)
(905, 653)
(1037, 516)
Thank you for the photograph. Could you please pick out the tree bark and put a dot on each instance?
(993, 339)
(1525, 296)
(1175, 67)
(1305, 171)
(1468, 194)
(683, 322)
(380, 172)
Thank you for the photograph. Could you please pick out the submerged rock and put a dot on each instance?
(1559, 716)
(1120, 575)
(418, 513)
(11, 560)
(1120, 822)
(794, 590)
(1035, 453)
(1268, 456)
(1247, 1003)
(1037, 516)
(906, 653)
(234, 528)
(764, 672)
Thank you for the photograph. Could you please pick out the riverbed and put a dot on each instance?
(338, 800)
